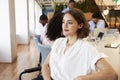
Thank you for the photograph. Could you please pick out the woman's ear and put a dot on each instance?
(80, 26)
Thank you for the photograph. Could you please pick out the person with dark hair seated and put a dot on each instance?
(71, 5)
(96, 21)
(43, 20)
(54, 29)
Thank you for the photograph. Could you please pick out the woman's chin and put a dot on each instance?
(65, 35)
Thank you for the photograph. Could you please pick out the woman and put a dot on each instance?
(54, 29)
(72, 57)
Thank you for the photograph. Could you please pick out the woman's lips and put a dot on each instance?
(66, 30)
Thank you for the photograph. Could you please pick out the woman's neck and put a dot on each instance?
(71, 40)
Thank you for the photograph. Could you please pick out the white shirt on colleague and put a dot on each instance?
(100, 24)
(38, 29)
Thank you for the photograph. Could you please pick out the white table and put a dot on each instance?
(112, 53)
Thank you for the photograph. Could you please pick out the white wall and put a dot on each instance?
(31, 17)
(38, 12)
(7, 31)
(27, 15)
(14, 20)
(22, 29)
(12, 29)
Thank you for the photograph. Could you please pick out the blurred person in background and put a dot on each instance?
(54, 29)
(71, 5)
(40, 27)
(96, 21)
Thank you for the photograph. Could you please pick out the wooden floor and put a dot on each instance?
(27, 57)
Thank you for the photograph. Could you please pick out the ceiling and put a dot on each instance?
(49, 3)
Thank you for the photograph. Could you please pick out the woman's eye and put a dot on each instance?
(69, 22)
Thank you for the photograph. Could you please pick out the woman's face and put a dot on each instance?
(70, 25)
(95, 20)
(71, 5)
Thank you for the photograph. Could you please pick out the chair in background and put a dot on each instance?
(43, 51)
(37, 40)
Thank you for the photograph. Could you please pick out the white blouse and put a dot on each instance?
(78, 60)
(100, 24)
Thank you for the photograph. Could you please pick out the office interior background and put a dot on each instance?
(18, 19)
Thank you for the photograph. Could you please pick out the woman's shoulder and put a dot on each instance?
(59, 40)
(85, 43)
(88, 48)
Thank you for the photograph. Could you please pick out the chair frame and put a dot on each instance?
(43, 51)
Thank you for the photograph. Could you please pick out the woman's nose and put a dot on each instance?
(64, 24)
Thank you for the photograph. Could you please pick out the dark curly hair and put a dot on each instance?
(78, 15)
(54, 29)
